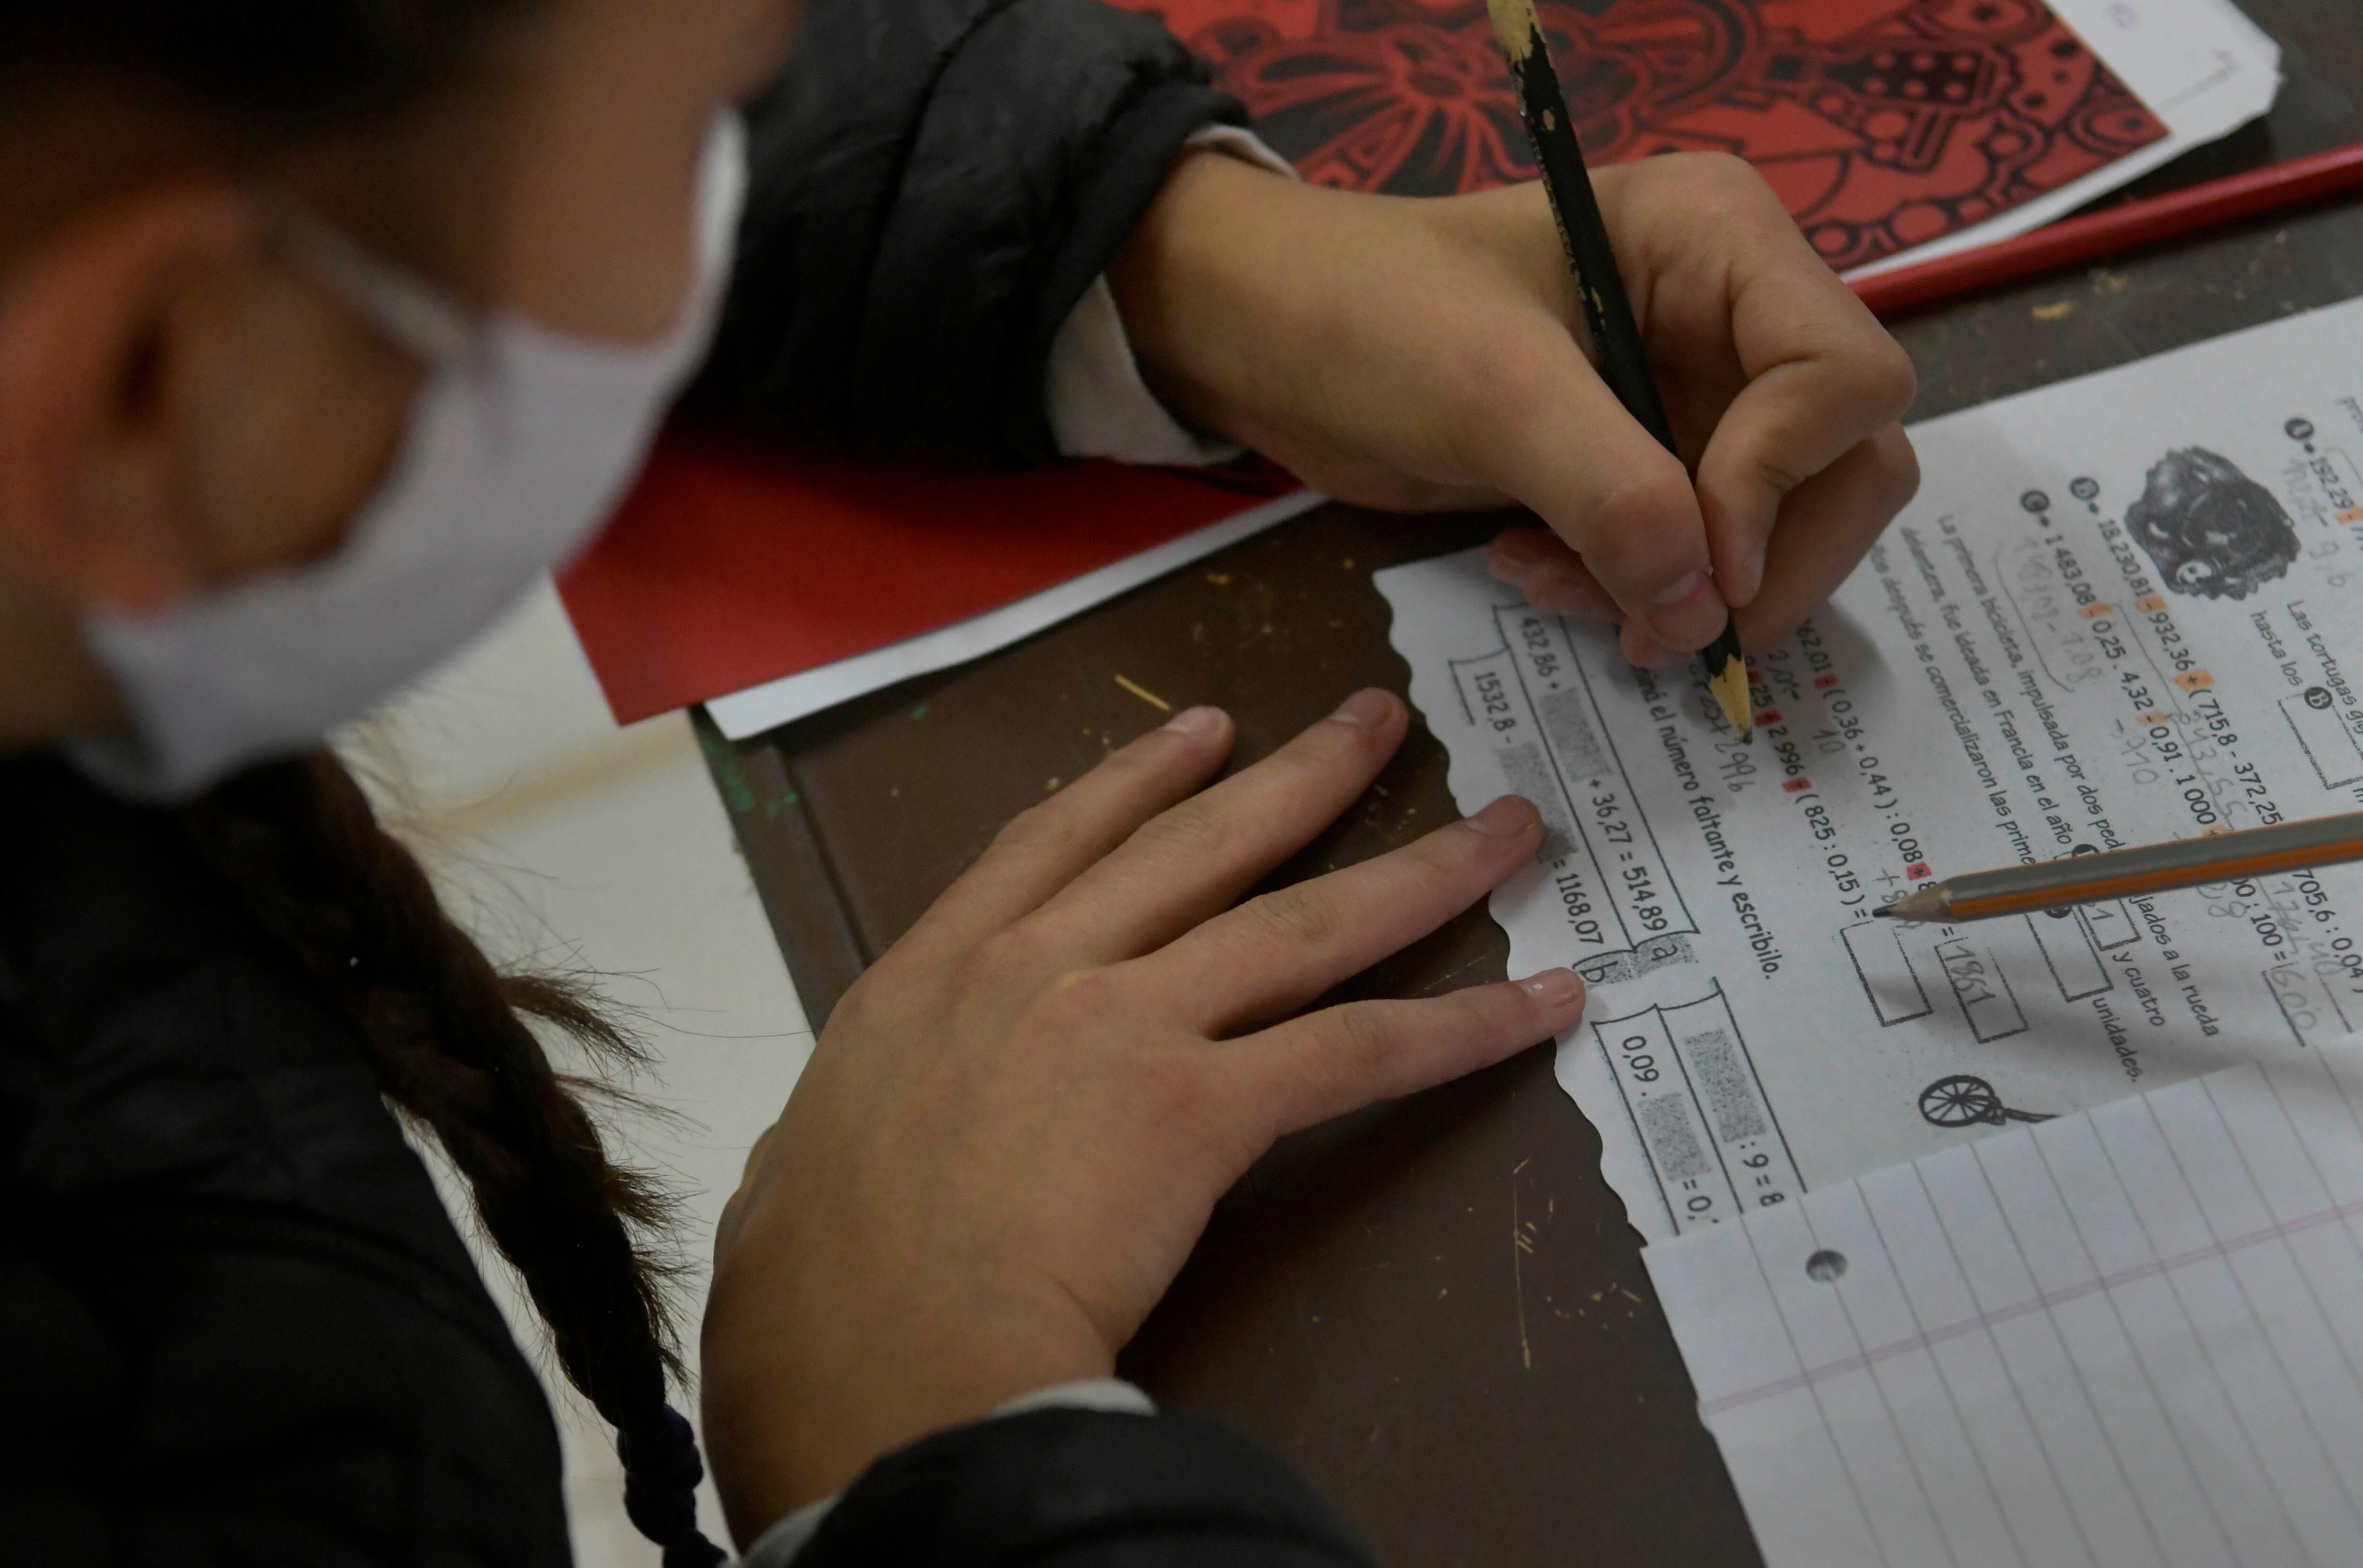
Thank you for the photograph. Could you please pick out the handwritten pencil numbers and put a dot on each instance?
(1965, 967)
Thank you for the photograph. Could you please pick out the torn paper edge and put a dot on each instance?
(1579, 1068)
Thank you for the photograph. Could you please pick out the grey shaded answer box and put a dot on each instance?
(1673, 1137)
(1529, 775)
(1566, 719)
(1729, 1088)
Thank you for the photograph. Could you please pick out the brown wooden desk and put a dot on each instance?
(1359, 1305)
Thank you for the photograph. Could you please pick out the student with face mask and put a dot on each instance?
(325, 326)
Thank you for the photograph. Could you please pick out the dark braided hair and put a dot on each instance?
(297, 840)
(446, 1033)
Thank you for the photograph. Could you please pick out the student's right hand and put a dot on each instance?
(1015, 1127)
(1422, 355)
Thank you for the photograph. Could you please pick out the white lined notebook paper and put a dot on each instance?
(2131, 1336)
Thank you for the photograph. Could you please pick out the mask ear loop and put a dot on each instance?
(417, 316)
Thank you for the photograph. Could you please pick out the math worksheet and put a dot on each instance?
(2123, 609)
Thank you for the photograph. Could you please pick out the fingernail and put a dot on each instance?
(1196, 722)
(1507, 555)
(1506, 816)
(1683, 621)
(1555, 988)
(1682, 590)
(1365, 707)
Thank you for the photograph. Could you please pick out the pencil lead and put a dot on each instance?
(1726, 676)
(1923, 903)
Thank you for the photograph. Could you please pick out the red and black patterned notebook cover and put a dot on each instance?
(1882, 124)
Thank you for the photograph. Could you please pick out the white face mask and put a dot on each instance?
(520, 445)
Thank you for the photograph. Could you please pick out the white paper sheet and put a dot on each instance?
(775, 703)
(2200, 66)
(2127, 1337)
(2011, 675)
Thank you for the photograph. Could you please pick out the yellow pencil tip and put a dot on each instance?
(1730, 685)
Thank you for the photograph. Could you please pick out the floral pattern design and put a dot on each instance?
(1882, 124)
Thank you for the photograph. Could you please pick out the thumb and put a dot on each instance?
(1789, 426)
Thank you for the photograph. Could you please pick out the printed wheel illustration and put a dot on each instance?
(1965, 1101)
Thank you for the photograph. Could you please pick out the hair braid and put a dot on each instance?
(299, 843)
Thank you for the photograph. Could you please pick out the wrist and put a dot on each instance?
(1203, 278)
(800, 1399)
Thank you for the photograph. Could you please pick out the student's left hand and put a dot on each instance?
(1427, 355)
(1015, 1124)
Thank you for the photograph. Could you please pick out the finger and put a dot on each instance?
(1346, 1057)
(1046, 848)
(1823, 377)
(1195, 859)
(1552, 435)
(1278, 952)
(1827, 523)
(1553, 578)
(1641, 649)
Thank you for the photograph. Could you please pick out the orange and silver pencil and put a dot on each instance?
(2124, 874)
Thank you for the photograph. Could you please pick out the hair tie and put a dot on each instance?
(661, 1471)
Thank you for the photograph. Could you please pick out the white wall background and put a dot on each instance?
(565, 842)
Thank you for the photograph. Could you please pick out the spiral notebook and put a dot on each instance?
(2125, 1336)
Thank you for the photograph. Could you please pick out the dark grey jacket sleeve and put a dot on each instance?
(1080, 1489)
(936, 183)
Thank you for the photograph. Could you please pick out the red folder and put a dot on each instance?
(734, 563)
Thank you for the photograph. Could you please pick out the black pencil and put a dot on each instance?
(1623, 358)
